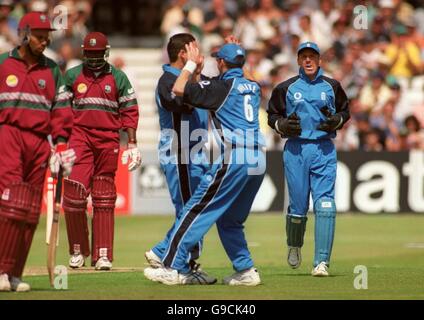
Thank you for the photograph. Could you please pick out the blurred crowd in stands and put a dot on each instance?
(374, 48)
(380, 63)
(65, 46)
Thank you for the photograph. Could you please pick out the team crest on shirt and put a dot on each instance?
(12, 80)
(108, 88)
(42, 83)
(82, 88)
(323, 96)
(298, 97)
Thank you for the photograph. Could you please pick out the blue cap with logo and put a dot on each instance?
(230, 53)
(308, 45)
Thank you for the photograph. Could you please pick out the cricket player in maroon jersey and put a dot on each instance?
(103, 103)
(33, 105)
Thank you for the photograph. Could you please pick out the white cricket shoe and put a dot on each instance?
(103, 264)
(198, 271)
(4, 282)
(294, 257)
(320, 270)
(76, 261)
(249, 277)
(163, 275)
(196, 277)
(153, 260)
(171, 277)
(18, 285)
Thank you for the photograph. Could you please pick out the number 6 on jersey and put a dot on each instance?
(248, 108)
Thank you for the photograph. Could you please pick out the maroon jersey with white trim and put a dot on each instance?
(106, 101)
(34, 98)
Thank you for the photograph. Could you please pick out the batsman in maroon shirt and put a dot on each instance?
(33, 105)
(103, 103)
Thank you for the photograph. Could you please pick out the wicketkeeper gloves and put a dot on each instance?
(333, 122)
(133, 154)
(289, 127)
(63, 157)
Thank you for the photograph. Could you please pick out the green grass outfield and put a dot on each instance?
(390, 246)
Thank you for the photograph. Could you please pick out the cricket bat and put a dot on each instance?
(54, 229)
(50, 206)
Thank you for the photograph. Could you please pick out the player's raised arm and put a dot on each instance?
(194, 59)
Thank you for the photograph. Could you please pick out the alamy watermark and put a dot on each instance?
(233, 147)
(61, 278)
(361, 280)
(360, 21)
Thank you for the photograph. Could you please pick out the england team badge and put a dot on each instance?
(108, 88)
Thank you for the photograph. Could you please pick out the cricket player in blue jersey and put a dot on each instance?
(308, 109)
(226, 192)
(176, 119)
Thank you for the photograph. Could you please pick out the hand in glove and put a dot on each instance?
(333, 122)
(289, 127)
(63, 157)
(132, 154)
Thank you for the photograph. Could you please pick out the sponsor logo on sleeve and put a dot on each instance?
(12, 80)
(82, 88)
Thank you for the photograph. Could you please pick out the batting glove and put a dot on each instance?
(289, 127)
(63, 157)
(133, 154)
(333, 122)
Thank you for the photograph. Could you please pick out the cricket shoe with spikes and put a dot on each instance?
(153, 260)
(249, 277)
(321, 270)
(76, 261)
(4, 283)
(18, 285)
(171, 277)
(197, 270)
(103, 264)
(294, 257)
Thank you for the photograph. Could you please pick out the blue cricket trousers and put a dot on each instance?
(224, 196)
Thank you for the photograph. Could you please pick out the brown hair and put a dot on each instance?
(177, 43)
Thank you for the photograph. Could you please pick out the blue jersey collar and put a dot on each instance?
(170, 69)
(232, 73)
(302, 74)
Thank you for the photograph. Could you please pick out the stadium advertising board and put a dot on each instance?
(369, 182)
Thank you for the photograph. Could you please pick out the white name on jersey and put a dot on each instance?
(247, 87)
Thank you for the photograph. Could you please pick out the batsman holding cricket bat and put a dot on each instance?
(33, 105)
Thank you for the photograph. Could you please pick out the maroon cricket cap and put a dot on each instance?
(35, 21)
(95, 41)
